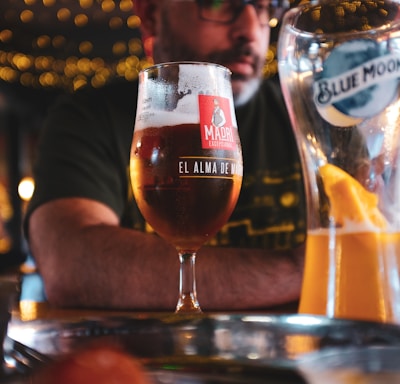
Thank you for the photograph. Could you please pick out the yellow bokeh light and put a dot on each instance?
(8, 74)
(133, 21)
(126, 5)
(63, 14)
(26, 16)
(115, 23)
(84, 66)
(58, 41)
(49, 3)
(85, 4)
(81, 20)
(119, 48)
(79, 82)
(43, 41)
(43, 63)
(23, 62)
(27, 79)
(107, 6)
(6, 35)
(85, 47)
(48, 79)
(25, 188)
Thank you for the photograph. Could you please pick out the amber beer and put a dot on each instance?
(185, 192)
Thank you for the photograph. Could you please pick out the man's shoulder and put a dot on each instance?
(267, 98)
(118, 91)
(118, 98)
(271, 87)
(120, 88)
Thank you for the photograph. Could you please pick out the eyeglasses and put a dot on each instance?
(227, 11)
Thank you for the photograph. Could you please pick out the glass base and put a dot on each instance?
(188, 304)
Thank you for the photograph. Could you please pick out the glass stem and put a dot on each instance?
(187, 285)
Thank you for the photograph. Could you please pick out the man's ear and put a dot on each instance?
(146, 10)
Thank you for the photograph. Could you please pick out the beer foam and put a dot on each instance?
(202, 79)
(188, 105)
(352, 227)
(193, 80)
(164, 118)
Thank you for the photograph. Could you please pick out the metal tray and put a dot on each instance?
(214, 348)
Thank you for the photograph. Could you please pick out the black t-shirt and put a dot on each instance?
(85, 146)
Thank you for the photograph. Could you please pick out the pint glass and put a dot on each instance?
(339, 63)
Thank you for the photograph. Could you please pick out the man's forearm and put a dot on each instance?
(96, 263)
(233, 278)
(145, 276)
(110, 267)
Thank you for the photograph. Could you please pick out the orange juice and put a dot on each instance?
(362, 289)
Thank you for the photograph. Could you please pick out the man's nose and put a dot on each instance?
(247, 23)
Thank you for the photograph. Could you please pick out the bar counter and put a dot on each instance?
(40, 334)
(210, 348)
(193, 347)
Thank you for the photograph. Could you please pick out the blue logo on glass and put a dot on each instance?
(359, 80)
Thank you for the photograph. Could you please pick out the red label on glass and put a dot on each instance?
(216, 127)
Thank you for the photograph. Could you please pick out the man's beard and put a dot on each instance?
(168, 48)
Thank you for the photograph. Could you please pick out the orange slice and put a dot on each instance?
(349, 200)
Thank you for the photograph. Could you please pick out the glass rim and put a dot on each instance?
(185, 62)
(292, 15)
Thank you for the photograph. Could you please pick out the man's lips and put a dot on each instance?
(241, 67)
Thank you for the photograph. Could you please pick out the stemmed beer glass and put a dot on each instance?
(186, 159)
